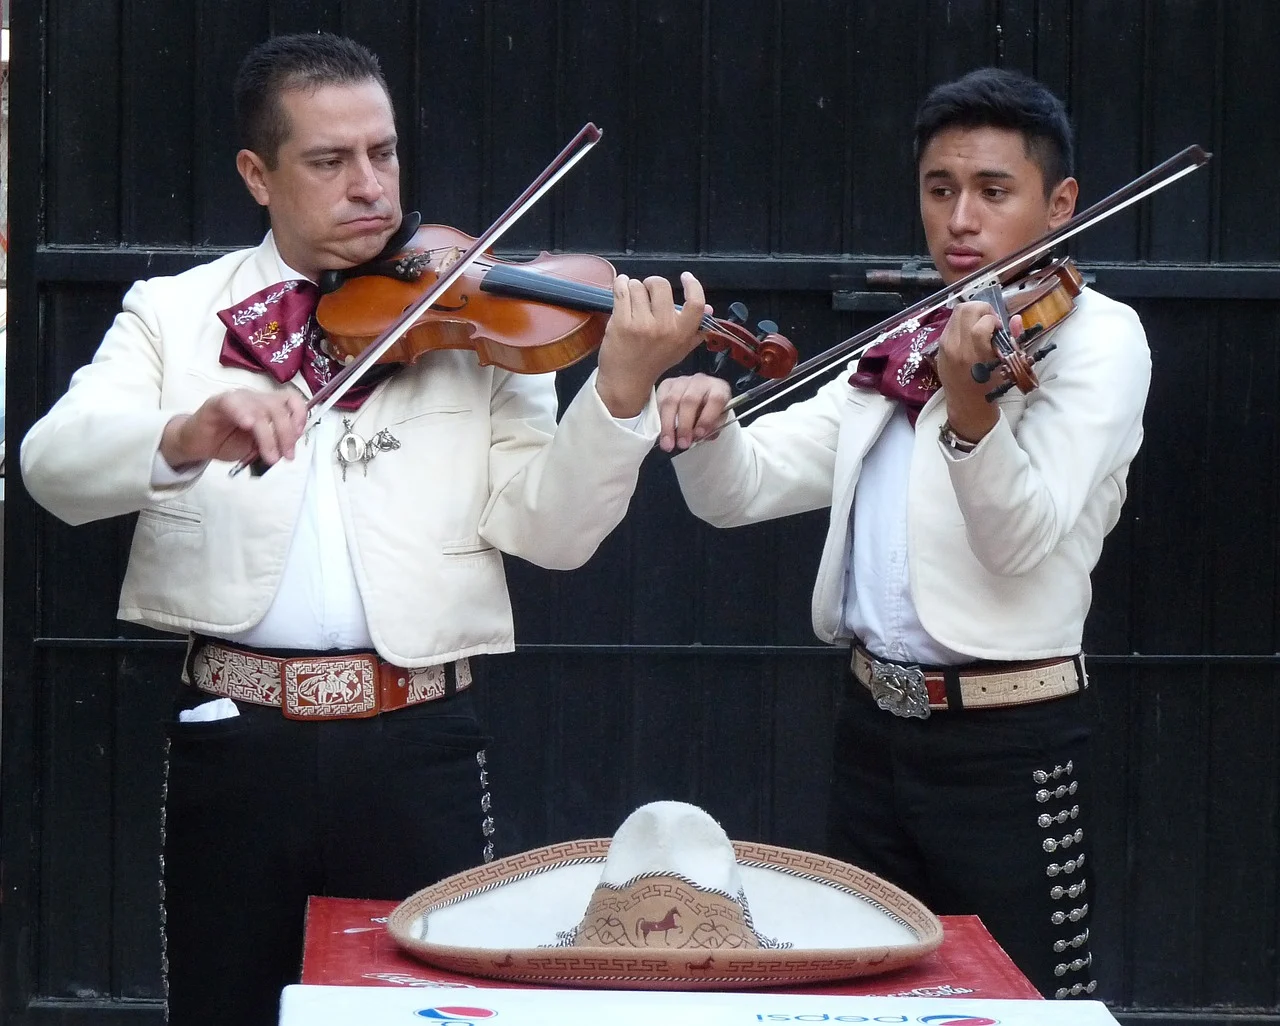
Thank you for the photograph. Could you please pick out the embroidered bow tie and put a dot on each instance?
(276, 331)
(897, 366)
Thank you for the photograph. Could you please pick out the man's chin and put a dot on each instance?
(360, 250)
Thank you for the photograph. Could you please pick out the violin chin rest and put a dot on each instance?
(331, 281)
(409, 226)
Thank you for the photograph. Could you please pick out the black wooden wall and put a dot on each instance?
(763, 144)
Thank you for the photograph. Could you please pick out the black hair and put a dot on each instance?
(999, 98)
(302, 61)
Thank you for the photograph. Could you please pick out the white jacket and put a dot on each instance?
(482, 469)
(1000, 543)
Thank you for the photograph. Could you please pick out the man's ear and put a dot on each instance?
(1062, 202)
(254, 172)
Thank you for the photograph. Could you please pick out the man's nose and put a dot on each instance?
(364, 184)
(964, 214)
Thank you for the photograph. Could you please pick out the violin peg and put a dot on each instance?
(737, 313)
(764, 328)
(981, 372)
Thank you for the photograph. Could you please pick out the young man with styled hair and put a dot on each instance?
(961, 538)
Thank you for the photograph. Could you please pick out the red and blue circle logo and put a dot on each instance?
(455, 1015)
(959, 1020)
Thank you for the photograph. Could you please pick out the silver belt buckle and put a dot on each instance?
(899, 689)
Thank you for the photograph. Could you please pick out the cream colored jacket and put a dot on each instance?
(482, 469)
(1000, 543)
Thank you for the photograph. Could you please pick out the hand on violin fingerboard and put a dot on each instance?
(692, 410)
(646, 335)
(966, 340)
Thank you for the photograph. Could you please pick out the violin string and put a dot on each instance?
(570, 289)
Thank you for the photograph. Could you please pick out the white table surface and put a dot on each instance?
(378, 1006)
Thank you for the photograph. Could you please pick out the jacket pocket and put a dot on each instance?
(466, 548)
(460, 412)
(172, 517)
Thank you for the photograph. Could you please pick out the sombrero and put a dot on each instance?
(669, 903)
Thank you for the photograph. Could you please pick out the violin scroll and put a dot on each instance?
(764, 352)
(1042, 298)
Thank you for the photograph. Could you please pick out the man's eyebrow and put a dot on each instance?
(342, 151)
(942, 175)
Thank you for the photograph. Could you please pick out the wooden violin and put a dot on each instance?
(530, 317)
(1043, 299)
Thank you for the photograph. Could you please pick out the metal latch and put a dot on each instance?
(888, 288)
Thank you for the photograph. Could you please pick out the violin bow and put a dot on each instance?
(1183, 163)
(338, 385)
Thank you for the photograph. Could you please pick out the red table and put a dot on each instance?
(347, 945)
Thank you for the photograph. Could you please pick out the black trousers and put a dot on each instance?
(262, 811)
(981, 812)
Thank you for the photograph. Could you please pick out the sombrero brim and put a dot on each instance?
(500, 921)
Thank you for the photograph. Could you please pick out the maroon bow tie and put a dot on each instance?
(897, 366)
(276, 331)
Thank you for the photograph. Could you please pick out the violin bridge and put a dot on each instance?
(451, 257)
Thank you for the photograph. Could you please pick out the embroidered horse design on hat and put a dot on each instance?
(644, 927)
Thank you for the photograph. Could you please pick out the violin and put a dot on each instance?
(528, 317)
(1043, 298)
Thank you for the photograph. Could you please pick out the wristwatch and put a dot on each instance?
(952, 441)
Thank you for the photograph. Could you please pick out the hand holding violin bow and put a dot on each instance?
(237, 425)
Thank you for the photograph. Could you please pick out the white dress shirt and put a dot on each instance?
(878, 608)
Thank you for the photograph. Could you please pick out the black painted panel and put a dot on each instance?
(1248, 134)
(886, 83)
(1108, 113)
(1184, 45)
(156, 137)
(82, 161)
(668, 126)
(1170, 557)
(1167, 869)
(225, 214)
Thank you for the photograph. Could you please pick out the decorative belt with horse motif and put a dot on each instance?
(343, 685)
(908, 690)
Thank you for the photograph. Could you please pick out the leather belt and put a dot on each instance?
(907, 690)
(343, 685)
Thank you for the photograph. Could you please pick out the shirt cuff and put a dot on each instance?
(631, 423)
(164, 476)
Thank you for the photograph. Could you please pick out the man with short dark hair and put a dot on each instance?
(961, 538)
(325, 740)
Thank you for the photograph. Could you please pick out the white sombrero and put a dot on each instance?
(669, 903)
